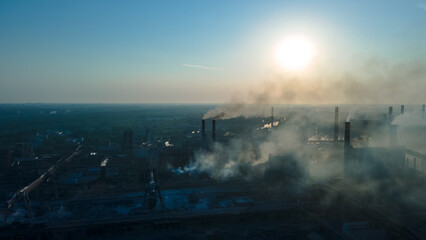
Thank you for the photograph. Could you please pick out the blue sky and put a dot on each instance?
(185, 51)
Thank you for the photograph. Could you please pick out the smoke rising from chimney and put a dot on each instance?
(376, 83)
(372, 82)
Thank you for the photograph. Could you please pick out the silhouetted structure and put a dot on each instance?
(152, 191)
(128, 141)
(348, 149)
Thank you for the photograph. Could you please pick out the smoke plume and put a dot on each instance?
(249, 157)
(373, 81)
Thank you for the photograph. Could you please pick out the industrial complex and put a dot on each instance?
(296, 172)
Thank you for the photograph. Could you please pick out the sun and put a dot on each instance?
(295, 53)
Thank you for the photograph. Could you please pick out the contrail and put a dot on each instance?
(202, 67)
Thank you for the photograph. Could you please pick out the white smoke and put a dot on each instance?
(248, 157)
(375, 83)
(350, 116)
(270, 125)
(409, 119)
(104, 162)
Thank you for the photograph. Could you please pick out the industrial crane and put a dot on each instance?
(152, 190)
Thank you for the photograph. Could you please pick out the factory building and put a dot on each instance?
(128, 141)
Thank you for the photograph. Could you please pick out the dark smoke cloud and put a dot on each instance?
(373, 81)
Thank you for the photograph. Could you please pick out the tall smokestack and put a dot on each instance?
(103, 168)
(272, 117)
(203, 134)
(402, 109)
(103, 172)
(390, 116)
(347, 134)
(423, 112)
(214, 130)
(336, 124)
(347, 151)
(393, 135)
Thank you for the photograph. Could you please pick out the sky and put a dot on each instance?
(190, 51)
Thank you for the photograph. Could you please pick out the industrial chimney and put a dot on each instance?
(203, 134)
(336, 125)
(214, 130)
(347, 150)
(103, 168)
(402, 109)
(423, 112)
(103, 172)
(347, 134)
(390, 116)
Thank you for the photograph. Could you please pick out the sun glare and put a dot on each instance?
(295, 53)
